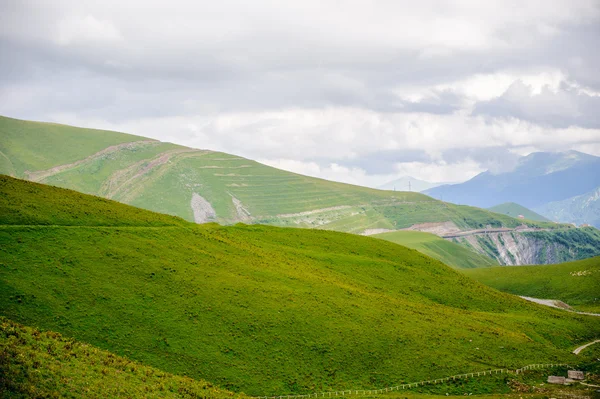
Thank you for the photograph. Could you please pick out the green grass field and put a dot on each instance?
(448, 252)
(575, 283)
(514, 210)
(44, 364)
(164, 177)
(257, 309)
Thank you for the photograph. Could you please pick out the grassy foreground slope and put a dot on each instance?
(265, 310)
(575, 283)
(209, 186)
(44, 364)
(448, 252)
(514, 210)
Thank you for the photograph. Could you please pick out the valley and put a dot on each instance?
(299, 199)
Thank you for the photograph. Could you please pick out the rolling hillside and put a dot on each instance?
(38, 364)
(450, 253)
(204, 186)
(575, 283)
(514, 210)
(259, 309)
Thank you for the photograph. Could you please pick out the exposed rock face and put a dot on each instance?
(243, 214)
(514, 248)
(203, 210)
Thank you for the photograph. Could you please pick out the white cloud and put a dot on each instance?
(312, 86)
(83, 30)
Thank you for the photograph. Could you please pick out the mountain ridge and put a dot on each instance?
(205, 186)
(538, 178)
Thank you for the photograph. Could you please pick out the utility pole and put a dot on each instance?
(409, 189)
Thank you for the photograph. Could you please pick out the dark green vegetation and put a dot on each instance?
(514, 210)
(576, 283)
(578, 243)
(170, 179)
(35, 364)
(264, 310)
(450, 253)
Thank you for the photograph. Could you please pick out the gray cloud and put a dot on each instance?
(564, 108)
(262, 78)
(381, 162)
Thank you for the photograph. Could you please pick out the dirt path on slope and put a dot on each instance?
(554, 303)
(123, 179)
(582, 347)
(492, 230)
(42, 174)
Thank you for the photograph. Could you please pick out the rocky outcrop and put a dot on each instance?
(524, 248)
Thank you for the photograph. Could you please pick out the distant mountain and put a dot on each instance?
(516, 210)
(581, 209)
(538, 179)
(408, 183)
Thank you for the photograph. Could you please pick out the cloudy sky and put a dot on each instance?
(356, 91)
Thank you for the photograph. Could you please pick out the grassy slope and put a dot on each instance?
(28, 203)
(450, 253)
(265, 310)
(162, 177)
(576, 283)
(45, 364)
(37, 364)
(514, 210)
(30, 146)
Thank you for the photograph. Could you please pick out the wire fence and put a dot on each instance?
(364, 392)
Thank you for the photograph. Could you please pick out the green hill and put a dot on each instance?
(448, 252)
(205, 186)
(575, 283)
(259, 309)
(514, 210)
(38, 364)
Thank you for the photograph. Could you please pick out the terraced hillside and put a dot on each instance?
(259, 309)
(575, 283)
(448, 252)
(204, 186)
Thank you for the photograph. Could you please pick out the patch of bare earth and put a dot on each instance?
(42, 174)
(370, 232)
(202, 209)
(313, 212)
(243, 214)
(124, 179)
(437, 228)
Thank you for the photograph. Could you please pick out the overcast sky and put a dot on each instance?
(355, 91)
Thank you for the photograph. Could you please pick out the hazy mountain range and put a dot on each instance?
(561, 186)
